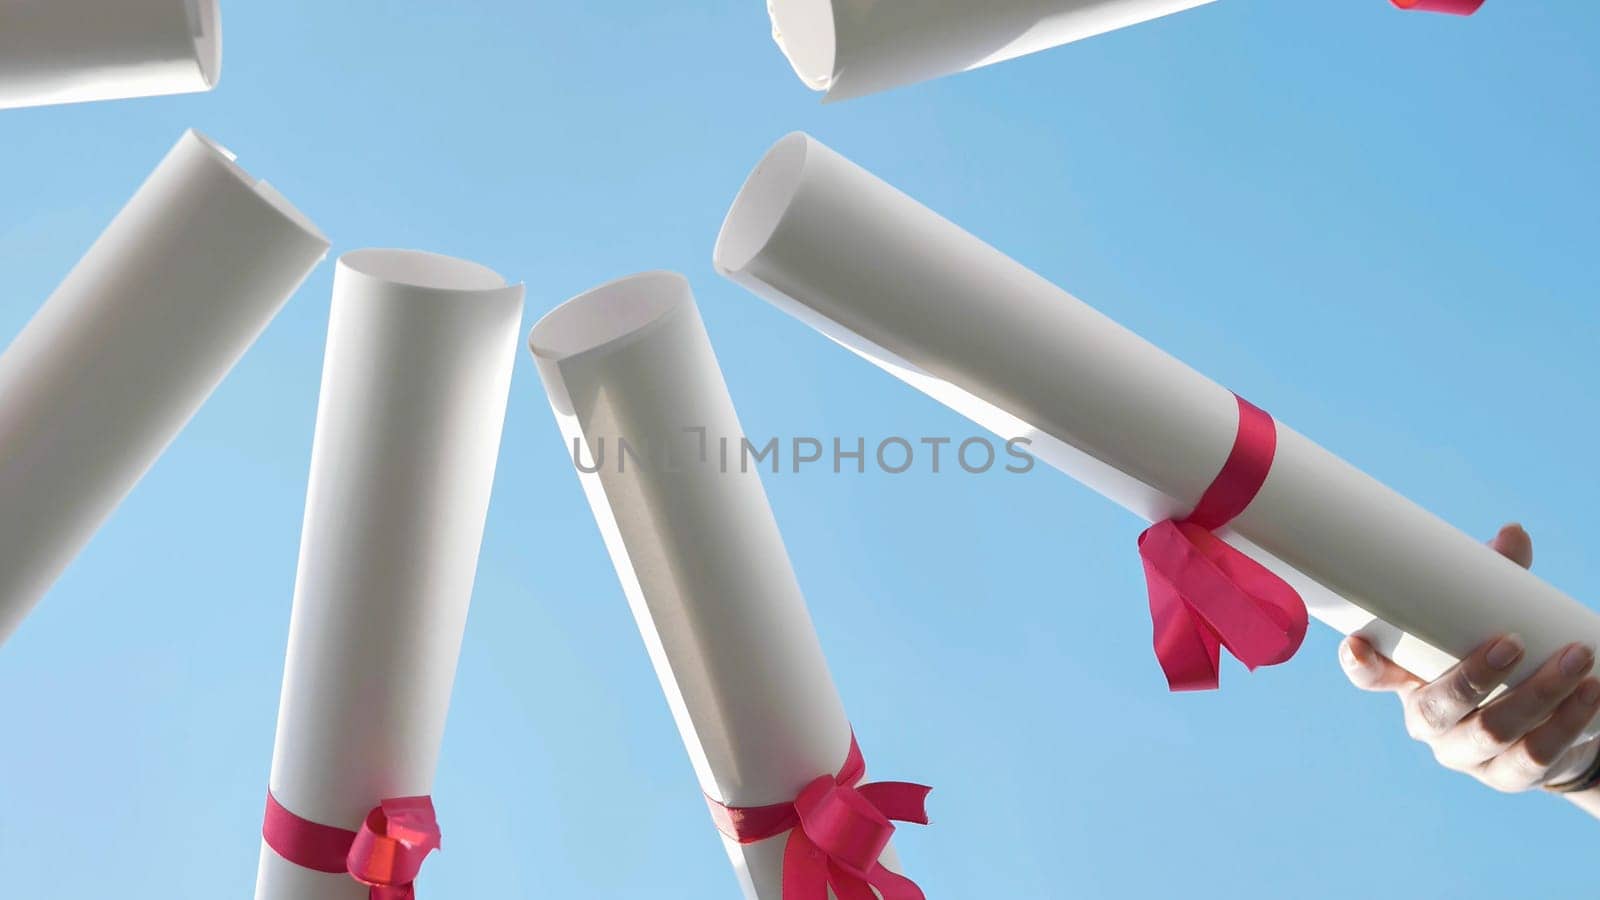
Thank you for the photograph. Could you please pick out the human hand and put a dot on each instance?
(1526, 738)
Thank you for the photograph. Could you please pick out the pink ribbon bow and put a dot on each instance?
(385, 855)
(1204, 593)
(1453, 7)
(837, 831)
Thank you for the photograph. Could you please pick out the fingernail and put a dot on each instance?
(1505, 652)
(1347, 655)
(1576, 660)
(1589, 693)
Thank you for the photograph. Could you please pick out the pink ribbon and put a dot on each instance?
(1453, 7)
(837, 832)
(385, 855)
(1204, 593)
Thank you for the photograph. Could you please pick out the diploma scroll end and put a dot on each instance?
(804, 31)
(761, 205)
(205, 26)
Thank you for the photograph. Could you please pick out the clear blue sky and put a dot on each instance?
(1379, 225)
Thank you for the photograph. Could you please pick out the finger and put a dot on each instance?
(1372, 671)
(1514, 544)
(1508, 718)
(1530, 761)
(1434, 710)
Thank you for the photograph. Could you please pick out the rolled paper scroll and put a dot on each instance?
(641, 401)
(835, 246)
(414, 389)
(127, 349)
(71, 51)
(850, 48)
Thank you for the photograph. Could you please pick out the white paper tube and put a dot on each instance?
(130, 345)
(414, 389)
(849, 48)
(696, 547)
(883, 275)
(71, 51)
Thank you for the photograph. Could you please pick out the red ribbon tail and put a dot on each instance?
(847, 885)
(1205, 593)
(899, 800)
(1188, 651)
(1449, 7)
(1272, 628)
(805, 869)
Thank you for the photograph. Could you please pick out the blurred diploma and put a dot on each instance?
(850, 48)
(127, 349)
(414, 388)
(696, 546)
(72, 51)
(886, 277)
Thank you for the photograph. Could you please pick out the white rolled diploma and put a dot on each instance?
(127, 349)
(697, 549)
(850, 48)
(72, 51)
(414, 388)
(890, 279)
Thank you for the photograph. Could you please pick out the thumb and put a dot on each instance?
(1514, 544)
(1372, 671)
